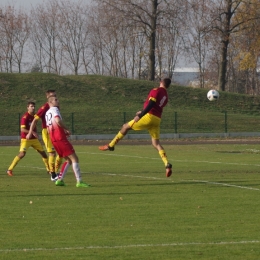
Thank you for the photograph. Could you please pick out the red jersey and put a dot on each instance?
(160, 97)
(56, 132)
(41, 114)
(26, 122)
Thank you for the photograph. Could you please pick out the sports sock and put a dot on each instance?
(64, 168)
(14, 163)
(116, 139)
(51, 163)
(163, 156)
(58, 162)
(45, 161)
(76, 170)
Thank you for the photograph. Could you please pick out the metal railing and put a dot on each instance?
(176, 122)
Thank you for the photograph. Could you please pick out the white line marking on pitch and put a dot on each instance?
(132, 246)
(186, 161)
(162, 179)
(169, 179)
(223, 184)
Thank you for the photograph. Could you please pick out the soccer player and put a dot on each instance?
(58, 133)
(54, 164)
(26, 120)
(148, 119)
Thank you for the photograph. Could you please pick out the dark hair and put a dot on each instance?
(30, 103)
(166, 82)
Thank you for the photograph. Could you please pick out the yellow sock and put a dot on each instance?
(118, 137)
(58, 162)
(163, 156)
(45, 161)
(14, 163)
(52, 163)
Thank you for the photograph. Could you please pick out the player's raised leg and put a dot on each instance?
(119, 136)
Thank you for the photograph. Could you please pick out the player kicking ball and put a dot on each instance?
(148, 119)
(58, 134)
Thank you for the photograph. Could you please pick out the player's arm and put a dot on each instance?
(61, 124)
(23, 129)
(32, 127)
(149, 106)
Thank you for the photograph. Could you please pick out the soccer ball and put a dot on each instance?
(213, 95)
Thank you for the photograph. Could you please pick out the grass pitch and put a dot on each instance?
(208, 209)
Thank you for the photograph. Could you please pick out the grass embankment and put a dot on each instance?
(100, 101)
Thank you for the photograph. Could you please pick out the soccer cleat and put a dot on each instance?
(81, 184)
(168, 170)
(54, 179)
(10, 172)
(60, 183)
(54, 176)
(106, 148)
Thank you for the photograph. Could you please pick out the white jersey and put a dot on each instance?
(56, 132)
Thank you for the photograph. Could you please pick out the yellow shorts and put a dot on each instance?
(34, 143)
(47, 141)
(148, 122)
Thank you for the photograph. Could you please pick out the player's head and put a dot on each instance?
(166, 82)
(50, 93)
(30, 103)
(31, 107)
(53, 101)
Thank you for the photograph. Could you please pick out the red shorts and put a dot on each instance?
(63, 147)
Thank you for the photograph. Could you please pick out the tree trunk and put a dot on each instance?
(152, 58)
(223, 66)
(152, 41)
(224, 48)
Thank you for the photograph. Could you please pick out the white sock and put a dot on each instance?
(76, 170)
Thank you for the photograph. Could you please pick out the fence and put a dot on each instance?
(177, 122)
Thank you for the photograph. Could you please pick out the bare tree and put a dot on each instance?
(45, 36)
(145, 15)
(197, 34)
(73, 32)
(139, 49)
(21, 36)
(168, 46)
(6, 30)
(96, 30)
(112, 43)
(14, 31)
(228, 17)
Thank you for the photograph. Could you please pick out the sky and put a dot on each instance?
(27, 3)
(24, 3)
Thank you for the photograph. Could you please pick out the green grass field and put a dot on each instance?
(208, 209)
